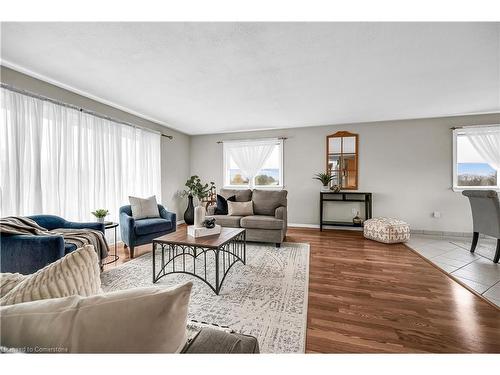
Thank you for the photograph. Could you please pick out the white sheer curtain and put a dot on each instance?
(250, 156)
(57, 160)
(486, 142)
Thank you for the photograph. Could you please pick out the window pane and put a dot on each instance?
(472, 170)
(269, 175)
(237, 178)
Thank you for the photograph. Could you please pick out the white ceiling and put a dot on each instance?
(219, 77)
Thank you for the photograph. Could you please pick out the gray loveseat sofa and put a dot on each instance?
(269, 222)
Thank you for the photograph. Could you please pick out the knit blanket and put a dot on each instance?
(13, 225)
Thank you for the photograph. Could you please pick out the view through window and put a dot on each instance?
(268, 175)
(472, 168)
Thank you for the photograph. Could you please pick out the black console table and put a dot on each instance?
(344, 196)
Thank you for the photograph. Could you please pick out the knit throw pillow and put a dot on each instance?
(77, 273)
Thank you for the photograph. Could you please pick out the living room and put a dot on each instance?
(250, 187)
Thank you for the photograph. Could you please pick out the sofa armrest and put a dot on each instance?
(167, 215)
(27, 254)
(91, 225)
(282, 214)
(127, 224)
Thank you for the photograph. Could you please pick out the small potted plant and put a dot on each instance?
(100, 214)
(325, 179)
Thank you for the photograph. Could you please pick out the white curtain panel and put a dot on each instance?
(58, 160)
(251, 156)
(486, 141)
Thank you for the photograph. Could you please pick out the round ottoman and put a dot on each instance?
(386, 230)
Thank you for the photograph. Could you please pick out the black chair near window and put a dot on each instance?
(485, 207)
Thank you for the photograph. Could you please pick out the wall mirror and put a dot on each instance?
(342, 159)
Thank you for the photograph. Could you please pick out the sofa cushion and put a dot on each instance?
(77, 273)
(265, 202)
(241, 195)
(137, 320)
(261, 222)
(227, 221)
(69, 247)
(148, 226)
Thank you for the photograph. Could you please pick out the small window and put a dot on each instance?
(253, 163)
(476, 158)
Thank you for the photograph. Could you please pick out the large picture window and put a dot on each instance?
(57, 160)
(253, 163)
(476, 157)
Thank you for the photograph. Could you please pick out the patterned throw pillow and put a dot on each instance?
(77, 273)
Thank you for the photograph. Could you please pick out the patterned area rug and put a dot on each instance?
(266, 298)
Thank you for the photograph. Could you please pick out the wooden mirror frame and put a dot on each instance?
(343, 134)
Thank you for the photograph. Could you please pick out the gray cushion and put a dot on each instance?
(241, 195)
(265, 202)
(261, 222)
(211, 341)
(227, 221)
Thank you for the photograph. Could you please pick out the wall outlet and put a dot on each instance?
(436, 214)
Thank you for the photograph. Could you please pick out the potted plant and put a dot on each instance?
(325, 179)
(100, 214)
(195, 188)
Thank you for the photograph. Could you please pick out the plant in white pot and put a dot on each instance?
(100, 214)
(325, 179)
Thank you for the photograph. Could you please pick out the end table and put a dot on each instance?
(111, 225)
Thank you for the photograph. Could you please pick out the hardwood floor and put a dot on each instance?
(368, 297)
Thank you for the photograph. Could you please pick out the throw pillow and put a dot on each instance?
(138, 320)
(76, 273)
(144, 208)
(221, 208)
(240, 208)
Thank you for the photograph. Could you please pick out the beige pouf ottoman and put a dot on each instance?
(386, 230)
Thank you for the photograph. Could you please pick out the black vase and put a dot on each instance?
(189, 214)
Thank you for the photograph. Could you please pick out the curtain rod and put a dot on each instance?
(473, 126)
(47, 99)
(254, 139)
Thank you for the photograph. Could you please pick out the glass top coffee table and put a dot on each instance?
(208, 258)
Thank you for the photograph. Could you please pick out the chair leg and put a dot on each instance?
(475, 237)
(497, 254)
(131, 249)
(278, 244)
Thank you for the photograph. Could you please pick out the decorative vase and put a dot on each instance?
(335, 188)
(189, 213)
(357, 221)
(100, 220)
(199, 216)
(325, 189)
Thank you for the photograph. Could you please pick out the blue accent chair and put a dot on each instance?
(27, 254)
(143, 231)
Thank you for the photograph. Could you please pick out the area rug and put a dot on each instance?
(266, 298)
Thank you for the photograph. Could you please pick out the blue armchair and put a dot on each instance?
(27, 254)
(143, 231)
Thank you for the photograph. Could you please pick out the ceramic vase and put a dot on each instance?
(199, 216)
(189, 213)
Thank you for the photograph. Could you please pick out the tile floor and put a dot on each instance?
(452, 255)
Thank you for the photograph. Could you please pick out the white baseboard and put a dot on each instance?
(180, 222)
(316, 226)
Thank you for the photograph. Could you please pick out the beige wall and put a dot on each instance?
(174, 153)
(407, 165)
